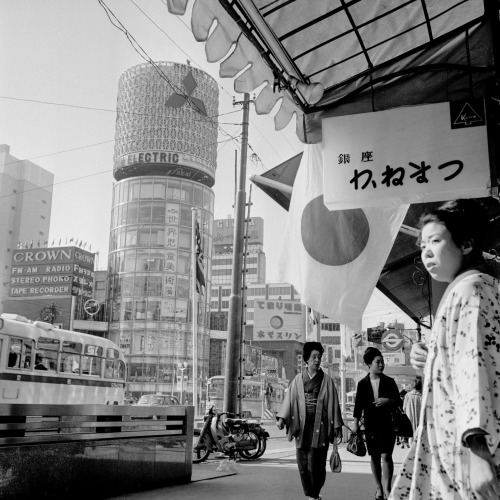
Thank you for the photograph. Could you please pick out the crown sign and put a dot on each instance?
(178, 100)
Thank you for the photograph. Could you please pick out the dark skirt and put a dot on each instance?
(380, 442)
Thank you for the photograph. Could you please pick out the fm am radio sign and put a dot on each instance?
(409, 154)
(278, 320)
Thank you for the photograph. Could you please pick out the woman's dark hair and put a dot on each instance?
(466, 220)
(418, 385)
(310, 347)
(370, 354)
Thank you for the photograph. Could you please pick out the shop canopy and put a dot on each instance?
(319, 59)
(314, 59)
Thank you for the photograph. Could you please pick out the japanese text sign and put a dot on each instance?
(278, 320)
(405, 155)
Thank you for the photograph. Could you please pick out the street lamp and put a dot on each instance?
(181, 367)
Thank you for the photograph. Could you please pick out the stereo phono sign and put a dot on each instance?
(52, 271)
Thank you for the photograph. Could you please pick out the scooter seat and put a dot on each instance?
(234, 421)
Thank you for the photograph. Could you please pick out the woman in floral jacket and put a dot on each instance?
(455, 454)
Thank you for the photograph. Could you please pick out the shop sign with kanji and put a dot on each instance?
(411, 154)
(278, 320)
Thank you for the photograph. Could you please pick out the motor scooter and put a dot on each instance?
(231, 436)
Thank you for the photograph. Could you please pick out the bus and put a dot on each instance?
(254, 398)
(42, 364)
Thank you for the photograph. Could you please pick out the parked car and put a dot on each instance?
(157, 400)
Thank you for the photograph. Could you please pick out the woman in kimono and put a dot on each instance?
(311, 414)
(455, 454)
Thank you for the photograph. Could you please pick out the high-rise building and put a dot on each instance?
(25, 205)
(164, 164)
(222, 257)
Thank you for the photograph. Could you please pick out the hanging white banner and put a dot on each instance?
(411, 154)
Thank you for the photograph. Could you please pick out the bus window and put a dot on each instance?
(15, 349)
(108, 368)
(70, 357)
(91, 365)
(74, 347)
(46, 360)
(119, 370)
(27, 354)
(47, 343)
(70, 363)
(19, 353)
(112, 353)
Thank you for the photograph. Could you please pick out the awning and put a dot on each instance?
(346, 57)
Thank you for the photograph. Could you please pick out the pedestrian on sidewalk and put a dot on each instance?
(455, 454)
(312, 416)
(412, 404)
(400, 440)
(377, 397)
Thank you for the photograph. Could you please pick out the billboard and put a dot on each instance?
(412, 154)
(279, 320)
(52, 271)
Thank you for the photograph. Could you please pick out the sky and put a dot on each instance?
(61, 62)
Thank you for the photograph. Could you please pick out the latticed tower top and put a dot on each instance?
(166, 115)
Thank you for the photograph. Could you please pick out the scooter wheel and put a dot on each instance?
(255, 453)
(200, 451)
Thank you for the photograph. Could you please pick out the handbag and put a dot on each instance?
(356, 445)
(335, 462)
(401, 424)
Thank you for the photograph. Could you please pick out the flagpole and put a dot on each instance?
(342, 367)
(194, 217)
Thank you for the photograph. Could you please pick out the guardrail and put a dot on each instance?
(96, 451)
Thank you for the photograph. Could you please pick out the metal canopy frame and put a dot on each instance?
(276, 47)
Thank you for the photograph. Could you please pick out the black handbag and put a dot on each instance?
(356, 445)
(401, 424)
(335, 462)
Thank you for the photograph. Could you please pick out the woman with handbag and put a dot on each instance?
(377, 397)
(312, 416)
(456, 451)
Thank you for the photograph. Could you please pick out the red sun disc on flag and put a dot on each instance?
(333, 238)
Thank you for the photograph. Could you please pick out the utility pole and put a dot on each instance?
(243, 305)
(234, 334)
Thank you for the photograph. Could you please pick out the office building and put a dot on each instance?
(164, 165)
(254, 256)
(25, 205)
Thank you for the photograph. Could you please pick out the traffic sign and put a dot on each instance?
(392, 340)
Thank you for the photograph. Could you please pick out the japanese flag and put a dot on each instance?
(334, 258)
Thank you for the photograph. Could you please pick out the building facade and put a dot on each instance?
(222, 257)
(25, 205)
(164, 165)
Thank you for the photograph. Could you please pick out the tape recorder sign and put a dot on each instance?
(392, 340)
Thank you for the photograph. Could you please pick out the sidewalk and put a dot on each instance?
(273, 477)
